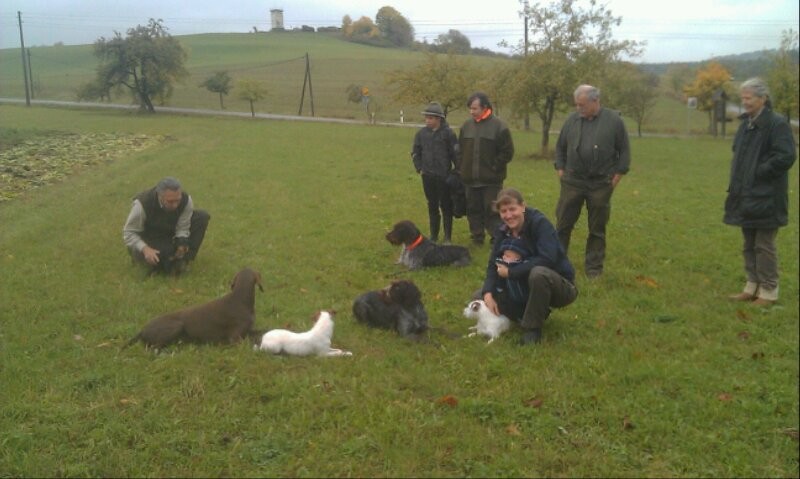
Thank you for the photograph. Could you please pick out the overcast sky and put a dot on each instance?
(676, 30)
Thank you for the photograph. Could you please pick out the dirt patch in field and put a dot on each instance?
(42, 160)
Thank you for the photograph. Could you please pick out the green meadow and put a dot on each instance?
(278, 61)
(650, 373)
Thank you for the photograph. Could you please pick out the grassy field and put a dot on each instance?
(277, 59)
(651, 372)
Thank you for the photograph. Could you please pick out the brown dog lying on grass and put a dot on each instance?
(228, 319)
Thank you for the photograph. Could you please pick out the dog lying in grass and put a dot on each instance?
(228, 319)
(314, 342)
(488, 323)
(397, 307)
(420, 252)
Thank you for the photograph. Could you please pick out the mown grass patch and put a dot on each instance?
(651, 372)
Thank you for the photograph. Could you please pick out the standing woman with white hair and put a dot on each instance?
(758, 198)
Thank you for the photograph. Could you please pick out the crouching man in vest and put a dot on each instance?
(163, 229)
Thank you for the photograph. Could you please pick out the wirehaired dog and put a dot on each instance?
(397, 307)
(228, 319)
(316, 341)
(489, 324)
(420, 252)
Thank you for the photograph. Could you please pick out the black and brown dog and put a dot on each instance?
(420, 252)
(397, 307)
(228, 319)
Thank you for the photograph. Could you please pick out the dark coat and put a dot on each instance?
(763, 153)
(434, 151)
(611, 148)
(539, 237)
(485, 149)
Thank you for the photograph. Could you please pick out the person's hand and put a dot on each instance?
(490, 303)
(615, 180)
(502, 270)
(560, 173)
(151, 255)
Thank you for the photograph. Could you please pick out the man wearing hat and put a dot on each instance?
(434, 157)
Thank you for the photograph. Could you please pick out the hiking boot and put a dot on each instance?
(533, 336)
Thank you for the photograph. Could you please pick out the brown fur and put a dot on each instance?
(228, 319)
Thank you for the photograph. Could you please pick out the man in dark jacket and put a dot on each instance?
(485, 148)
(758, 199)
(434, 157)
(547, 270)
(592, 154)
(163, 229)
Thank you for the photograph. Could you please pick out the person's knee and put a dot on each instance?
(539, 277)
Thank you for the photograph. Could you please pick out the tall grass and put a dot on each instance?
(651, 372)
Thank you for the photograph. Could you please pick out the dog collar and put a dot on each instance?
(415, 243)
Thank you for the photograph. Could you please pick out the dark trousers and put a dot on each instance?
(166, 245)
(761, 257)
(437, 193)
(480, 211)
(548, 289)
(597, 196)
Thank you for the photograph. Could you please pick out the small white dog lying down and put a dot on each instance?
(489, 324)
(315, 341)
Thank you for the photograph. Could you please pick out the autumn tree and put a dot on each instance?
(219, 82)
(567, 45)
(394, 27)
(362, 30)
(632, 91)
(251, 91)
(447, 79)
(783, 77)
(452, 42)
(708, 80)
(147, 61)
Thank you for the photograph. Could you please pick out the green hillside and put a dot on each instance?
(277, 59)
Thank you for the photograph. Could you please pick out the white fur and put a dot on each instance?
(315, 341)
(489, 324)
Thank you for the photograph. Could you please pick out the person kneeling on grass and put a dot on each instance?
(544, 265)
(163, 229)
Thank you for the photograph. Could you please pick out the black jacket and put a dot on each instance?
(763, 153)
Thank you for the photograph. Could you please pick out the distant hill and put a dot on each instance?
(742, 65)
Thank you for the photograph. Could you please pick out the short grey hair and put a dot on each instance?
(757, 86)
(168, 183)
(592, 93)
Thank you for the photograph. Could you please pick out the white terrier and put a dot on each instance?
(315, 341)
(489, 324)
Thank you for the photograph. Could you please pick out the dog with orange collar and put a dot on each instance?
(420, 252)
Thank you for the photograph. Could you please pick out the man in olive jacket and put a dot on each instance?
(758, 199)
(485, 148)
(592, 155)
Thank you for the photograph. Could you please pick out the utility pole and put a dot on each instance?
(30, 75)
(527, 119)
(307, 81)
(24, 66)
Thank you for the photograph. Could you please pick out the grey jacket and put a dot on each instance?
(612, 152)
(763, 153)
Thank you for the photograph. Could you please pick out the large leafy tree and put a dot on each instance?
(632, 91)
(394, 27)
(447, 79)
(783, 77)
(219, 82)
(147, 61)
(568, 45)
(709, 80)
(453, 42)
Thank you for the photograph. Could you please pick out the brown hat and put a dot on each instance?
(434, 109)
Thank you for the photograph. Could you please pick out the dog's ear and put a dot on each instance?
(258, 281)
(475, 306)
